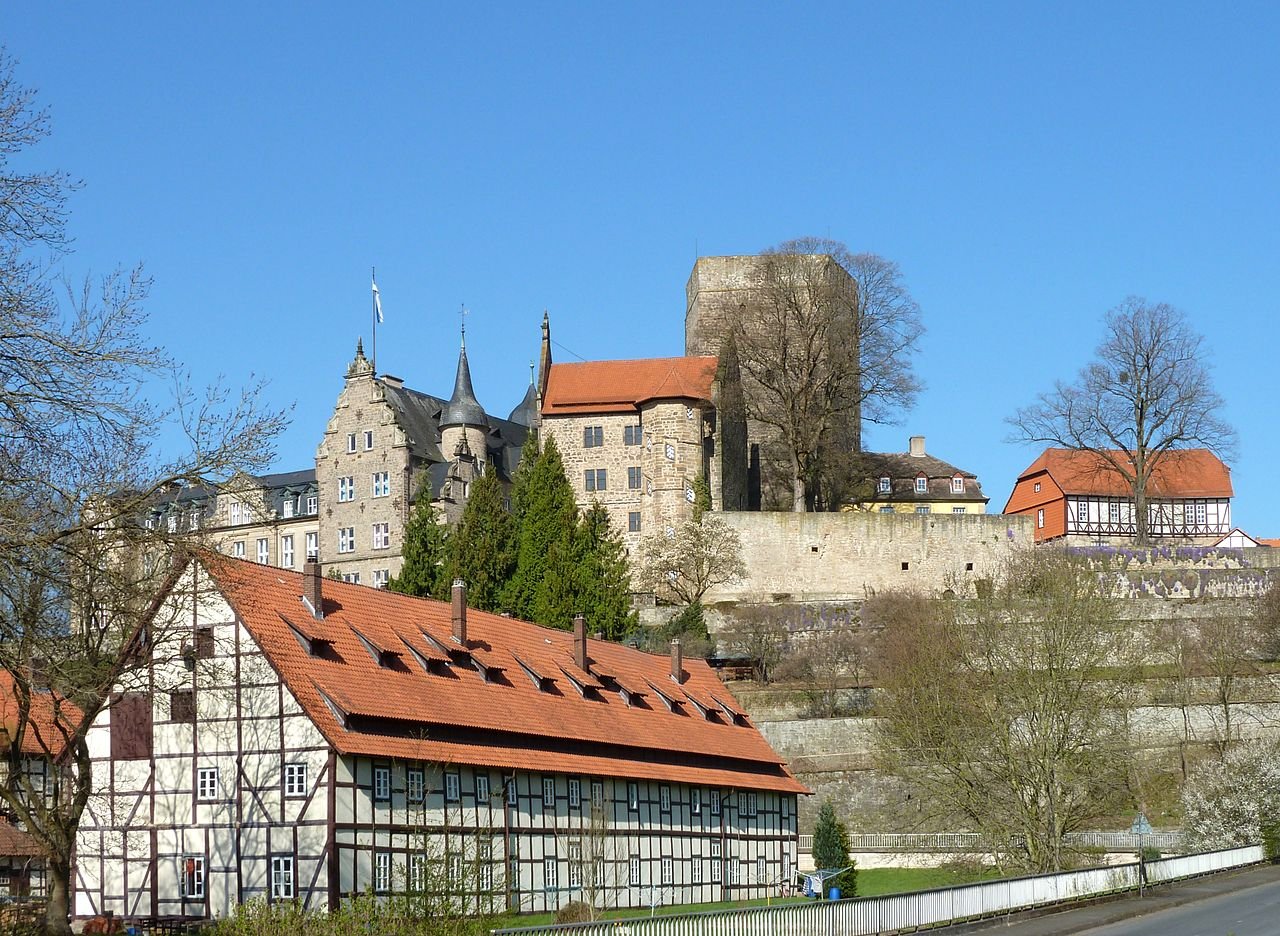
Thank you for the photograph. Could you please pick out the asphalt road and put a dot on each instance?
(1244, 903)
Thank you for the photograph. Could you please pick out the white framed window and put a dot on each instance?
(597, 794)
(633, 796)
(550, 879)
(346, 489)
(381, 484)
(207, 784)
(351, 442)
(695, 870)
(286, 552)
(287, 508)
(1202, 513)
(313, 545)
(513, 795)
(313, 504)
(453, 870)
(191, 882)
(482, 788)
(633, 871)
(237, 549)
(484, 858)
(415, 785)
(171, 522)
(351, 578)
(417, 873)
(382, 783)
(382, 536)
(751, 804)
(957, 510)
(237, 511)
(695, 801)
(382, 872)
(717, 865)
(282, 877)
(575, 793)
(347, 540)
(742, 803)
(548, 791)
(922, 509)
(1035, 488)
(575, 864)
(762, 870)
(1040, 519)
(193, 520)
(264, 552)
(957, 485)
(670, 452)
(732, 867)
(381, 577)
(884, 486)
(922, 485)
(664, 798)
(295, 779)
(1113, 512)
(668, 870)
(592, 436)
(715, 802)
(689, 495)
(368, 439)
(631, 435)
(452, 788)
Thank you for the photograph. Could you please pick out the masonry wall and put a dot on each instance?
(805, 557)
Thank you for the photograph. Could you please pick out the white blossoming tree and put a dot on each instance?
(1234, 800)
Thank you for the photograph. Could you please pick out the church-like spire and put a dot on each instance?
(463, 408)
(360, 365)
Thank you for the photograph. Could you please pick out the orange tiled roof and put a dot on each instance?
(619, 386)
(43, 736)
(1179, 473)
(411, 707)
(14, 843)
(1264, 541)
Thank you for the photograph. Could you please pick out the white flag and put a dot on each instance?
(377, 303)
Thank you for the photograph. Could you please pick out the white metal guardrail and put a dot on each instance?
(973, 842)
(863, 916)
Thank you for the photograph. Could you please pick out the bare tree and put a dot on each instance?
(761, 636)
(1006, 712)
(1147, 393)
(78, 470)
(698, 555)
(825, 344)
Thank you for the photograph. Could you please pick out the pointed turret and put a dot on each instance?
(359, 366)
(526, 410)
(463, 409)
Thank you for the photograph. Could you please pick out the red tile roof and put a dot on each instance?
(1181, 473)
(621, 386)
(451, 714)
(47, 719)
(14, 843)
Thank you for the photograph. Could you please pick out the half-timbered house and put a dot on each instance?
(1080, 496)
(307, 739)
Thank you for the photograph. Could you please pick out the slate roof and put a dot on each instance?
(463, 409)
(902, 469)
(1182, 473)
(418, 707)
(621, 386)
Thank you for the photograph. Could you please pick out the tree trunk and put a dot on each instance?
(798, 489)
(58, 897)
(1140, 519)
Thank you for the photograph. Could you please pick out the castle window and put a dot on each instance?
(689, 494)
(922, 484)
(381, 484)
(193, 520)
(957, 510)
(922, 509)
(368, 439)
(286, 508)
(631, 435)
(351, 442)
(382, 536)
(670, 452)
(347, 540)
(381, 577)
(313, 547)
(313, 504)
(596, 479)
(237, 549)
(886, 509)
(633, 479)
(346, 489)
(236, 510)
(592, 436)
(172, 523)
(264, 552)
(884, 486)
(957, 485)
(286, 552)
(633, 522)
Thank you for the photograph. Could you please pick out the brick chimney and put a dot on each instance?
(677, 662)
(460, 612)
(312, 590)
(580, 642)
(917, 446)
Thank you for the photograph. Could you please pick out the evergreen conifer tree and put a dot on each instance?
(426, 553)
(603, 580)
(542, 587)
(481, 551)
(831, 851)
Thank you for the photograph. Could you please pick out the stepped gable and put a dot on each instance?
(1181, 473)
(381, 675)
(621, 386)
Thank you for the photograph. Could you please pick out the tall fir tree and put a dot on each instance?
(424, 572)
(481, 551)
(603, 579)
(547, 517)
(831, 851)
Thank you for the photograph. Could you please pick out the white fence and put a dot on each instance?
(868, 915)
(971, 842)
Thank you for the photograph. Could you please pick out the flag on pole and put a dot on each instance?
(377, 302)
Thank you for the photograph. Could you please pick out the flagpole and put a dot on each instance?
(373, 275)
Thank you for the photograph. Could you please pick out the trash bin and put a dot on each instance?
(834, 893)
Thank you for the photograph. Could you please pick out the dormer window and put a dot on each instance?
(957, 484)
(922, 484)
(884, 485)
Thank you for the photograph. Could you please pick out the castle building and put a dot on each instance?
(309, 740)
(915, 482)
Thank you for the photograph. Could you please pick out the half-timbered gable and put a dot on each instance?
(1079, 495)
(312, 739)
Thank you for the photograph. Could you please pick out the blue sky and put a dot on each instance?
(1027, 165)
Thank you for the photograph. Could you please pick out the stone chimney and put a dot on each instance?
(460, 612)
(392, 381)
(312, 589)
(677, 662)
(580, 642)
(917, 446)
